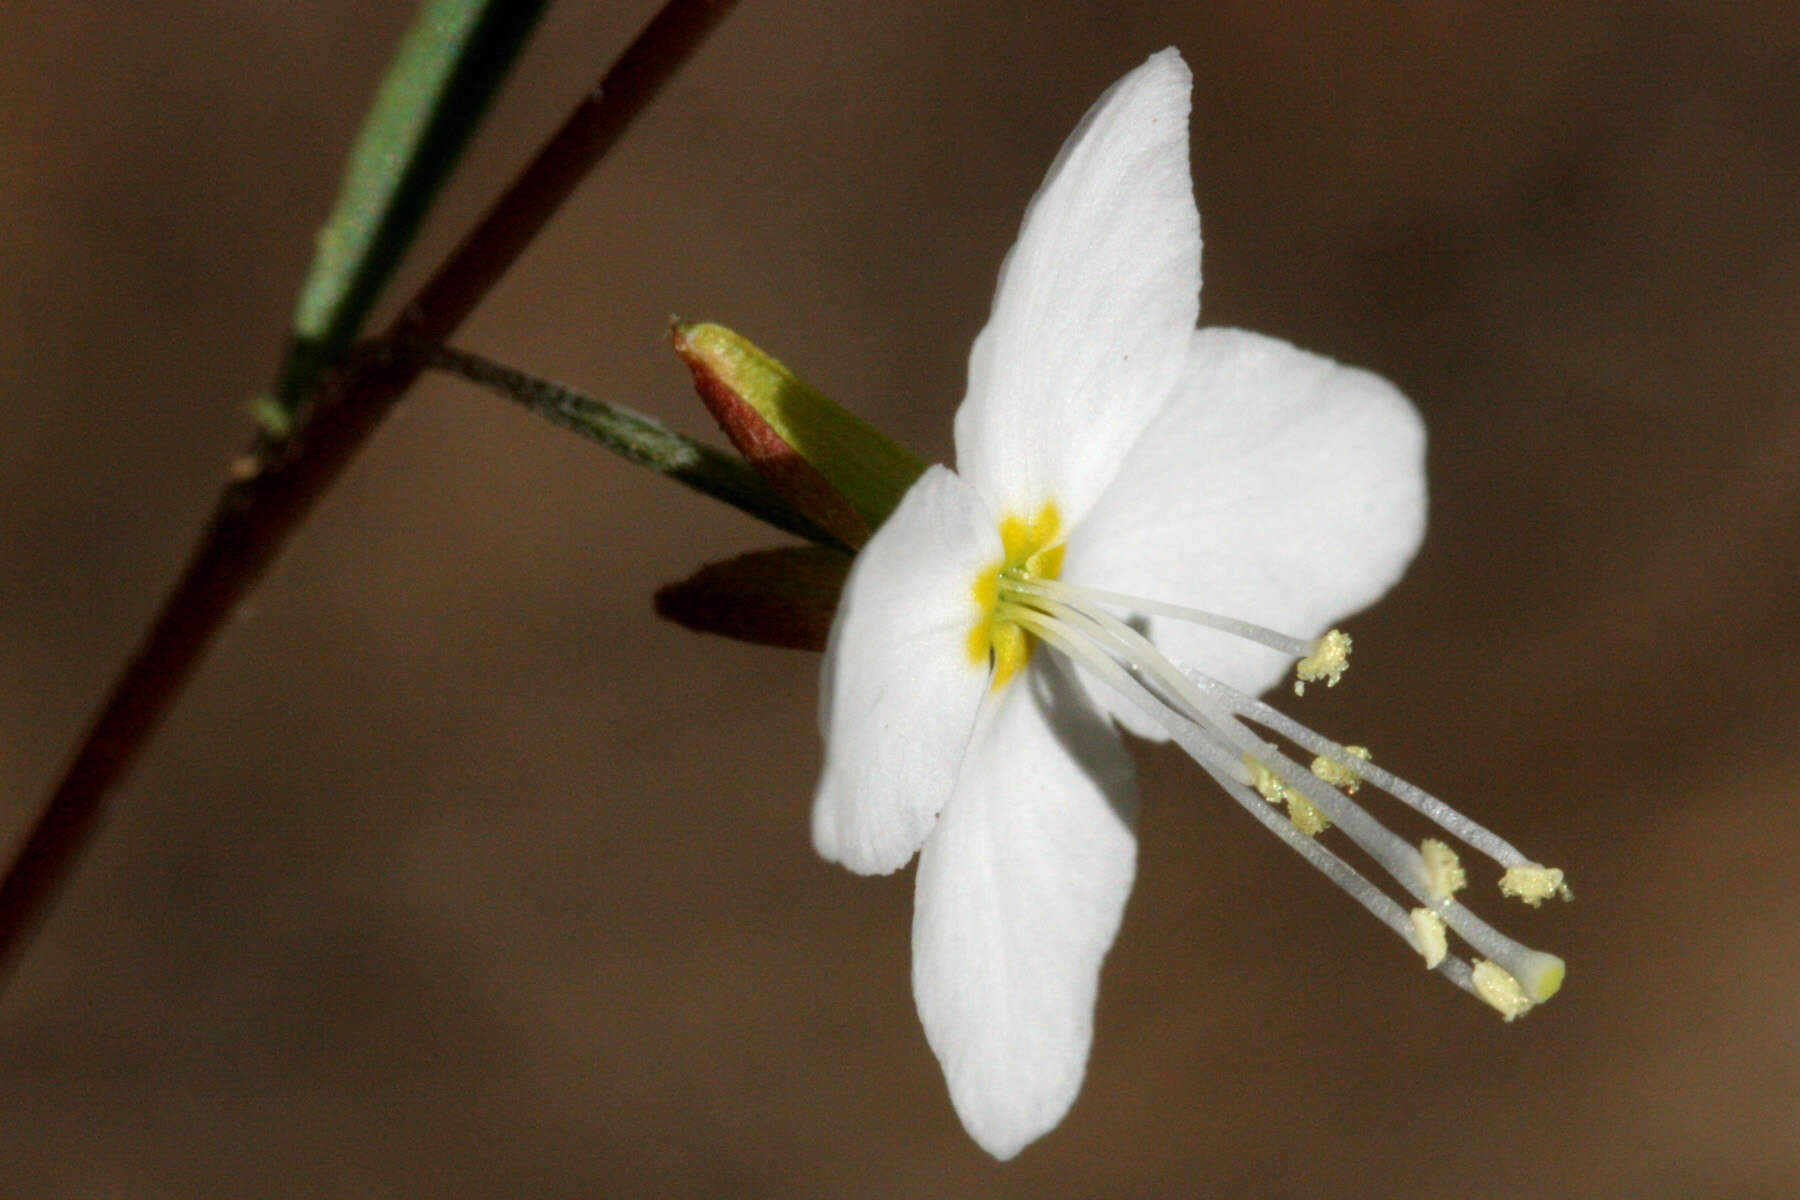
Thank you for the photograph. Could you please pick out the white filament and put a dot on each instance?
(1206, 718)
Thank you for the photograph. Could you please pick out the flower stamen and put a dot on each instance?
(1289, 645)
(1433, 942)
(1207, 719)
(1329, 659)
(1443, 869)
(1534, 884)
(1342, 775)
(1496, 986)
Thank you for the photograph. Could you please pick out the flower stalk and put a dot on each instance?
(637, 438)
(274, 488)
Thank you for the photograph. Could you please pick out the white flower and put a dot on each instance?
(988, 638)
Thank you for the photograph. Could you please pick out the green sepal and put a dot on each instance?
(835, 467)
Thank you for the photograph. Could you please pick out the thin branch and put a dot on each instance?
(638, 438)
(261, 510)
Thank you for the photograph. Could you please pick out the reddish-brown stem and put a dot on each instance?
(259, 512)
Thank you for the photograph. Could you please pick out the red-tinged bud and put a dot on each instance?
(844, 474)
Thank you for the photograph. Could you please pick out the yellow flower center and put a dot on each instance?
(1033, 550)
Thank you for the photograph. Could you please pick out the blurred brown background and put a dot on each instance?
(458, 874)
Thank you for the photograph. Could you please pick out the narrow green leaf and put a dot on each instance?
(641, 439)
(435, 93)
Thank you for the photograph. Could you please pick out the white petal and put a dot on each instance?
(899, 689)
(1277, 487)
(1095, 304)
(1019, 893)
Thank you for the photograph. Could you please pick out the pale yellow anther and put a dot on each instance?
(1339, 775)
(1265, 781)
(1306, 815)
(1302, 812)
(1444, 875)
(1534, 884)
(1494, 985)
(1329, 660)
(1429, 935)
